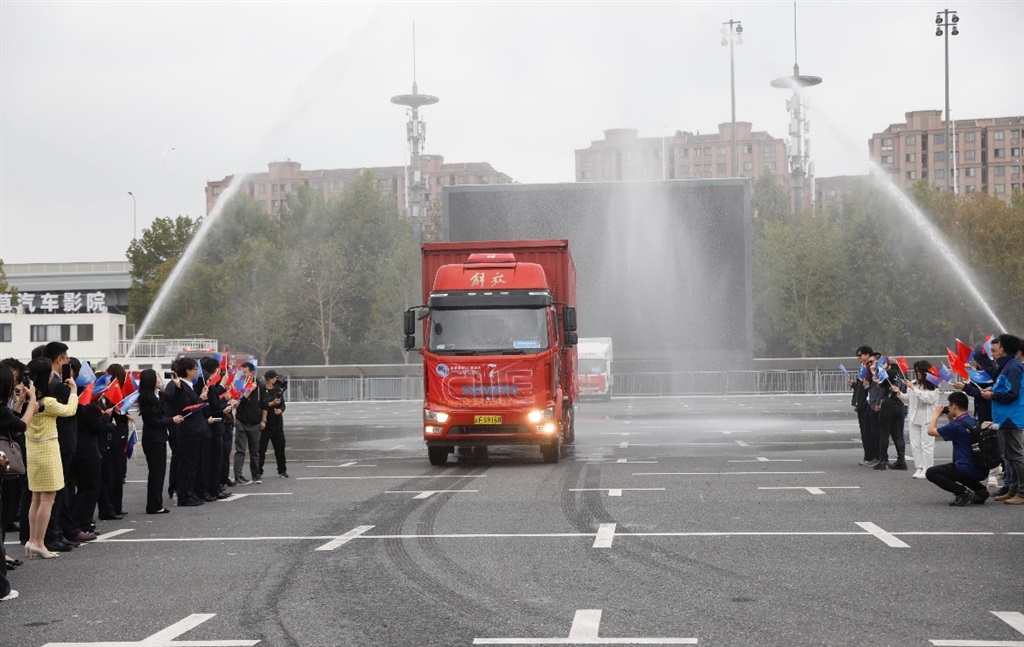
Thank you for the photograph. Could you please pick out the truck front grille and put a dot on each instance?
(487, 430)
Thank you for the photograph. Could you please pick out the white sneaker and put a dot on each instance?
(10, 596)
(993, 481)
(919, 474)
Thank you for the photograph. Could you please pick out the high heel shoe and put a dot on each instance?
(31, 552)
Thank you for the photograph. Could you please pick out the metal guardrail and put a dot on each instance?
(626, 384)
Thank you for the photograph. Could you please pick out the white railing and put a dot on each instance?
(814, 381)
(160, 347)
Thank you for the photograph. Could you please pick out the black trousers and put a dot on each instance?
(868, 421)
(225, 457)
(950, 479)
(156, 461)
(88, 478)
(120, 464)
(890, 425)
(275, 436)
(213, 463)
(10, 499)
(105, 500)
(188, 465)
(172, 473)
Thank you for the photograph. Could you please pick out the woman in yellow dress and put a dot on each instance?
(42, 455)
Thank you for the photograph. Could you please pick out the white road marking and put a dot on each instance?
(236, 496)
(623, 445)
(165, 637)
(742, 444)
(887, 537)
(615, 433)
(108, 535)
(584, 631)
(344, 539)
(827, 431)
(1012, 618)
(713, 473)
(415, 476)
(815, 489)
(348, 464)
(765, 459)
(736, 431)
(617, 491)
(425, 494)
(605, 535)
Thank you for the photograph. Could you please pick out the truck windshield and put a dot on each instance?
(491, 330)
(591, 366)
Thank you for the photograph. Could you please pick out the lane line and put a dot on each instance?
(586, 625)
(764, 459)
(820, 489)
(344, 539)
(713, 473)
(426, 494)
(742, 444)
(617, 491)
(887, 537)
(236, 496)
(368, 478)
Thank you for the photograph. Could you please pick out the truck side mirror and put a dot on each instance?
(571, 339)
(409, 324)
(410, 342)
(569, 318)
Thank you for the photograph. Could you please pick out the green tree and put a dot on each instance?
(798, 286)
(5, 287)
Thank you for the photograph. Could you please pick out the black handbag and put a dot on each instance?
(15, 458)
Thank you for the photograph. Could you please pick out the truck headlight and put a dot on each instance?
(547, 428)
(430, 429)
(541, 414)
(435, 416)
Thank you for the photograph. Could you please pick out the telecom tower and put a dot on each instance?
(416, 133)
(800, 164)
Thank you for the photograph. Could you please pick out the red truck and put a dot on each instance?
(499, 346)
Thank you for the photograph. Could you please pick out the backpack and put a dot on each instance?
(985, 453)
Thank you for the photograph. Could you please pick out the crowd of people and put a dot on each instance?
(74, 446)
(889, 397)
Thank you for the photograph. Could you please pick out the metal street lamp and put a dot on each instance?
(734, 32)
(947, 19)
(135, 229)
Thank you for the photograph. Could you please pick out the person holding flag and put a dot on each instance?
(249, 423)
(921, 397)
(859, 402)
(184, 401)
(119, 387)
(215, 419)
(890, 415)
(155, 423)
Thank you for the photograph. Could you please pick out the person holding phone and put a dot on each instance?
(63, 530)
(155, 424)
(45, 472)
(184, 401)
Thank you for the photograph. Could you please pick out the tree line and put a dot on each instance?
(862, 272)
(326, 281)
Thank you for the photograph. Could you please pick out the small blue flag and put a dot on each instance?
(85, 375)
(934, 379)
(883, 375)
(129, 447)
(127, 402)
(946, 374)
(844, 371)
(863, 372)
(979, 377)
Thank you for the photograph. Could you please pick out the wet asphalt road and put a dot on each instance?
(731, 521)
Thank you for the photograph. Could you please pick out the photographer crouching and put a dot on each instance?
(960, 477)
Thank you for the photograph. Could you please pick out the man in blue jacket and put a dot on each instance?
(1008, 411)
(961, 477)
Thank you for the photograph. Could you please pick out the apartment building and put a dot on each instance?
(271, 188)
(623, 155)
(986, 153)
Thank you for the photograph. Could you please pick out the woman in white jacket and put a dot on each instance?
(922, 396)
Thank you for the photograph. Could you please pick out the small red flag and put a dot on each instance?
(957, 366)
(113, 393)
(902, 363)
(85, 397)
(964, 352)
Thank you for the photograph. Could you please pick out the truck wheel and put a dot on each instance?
(551, 451)
(437, 455)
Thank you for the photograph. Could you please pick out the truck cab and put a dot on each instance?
(498, 352)
(595, 367)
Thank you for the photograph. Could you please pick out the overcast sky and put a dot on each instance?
(99, 99)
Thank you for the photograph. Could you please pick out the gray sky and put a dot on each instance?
(98, 99)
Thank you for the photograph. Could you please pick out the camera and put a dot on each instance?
(945, 410)
(168, 375)
(282, 384)
(25, 379)
(65, 372)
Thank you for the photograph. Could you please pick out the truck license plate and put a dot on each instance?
(486, 420)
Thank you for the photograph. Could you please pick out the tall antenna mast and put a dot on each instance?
(416, 133)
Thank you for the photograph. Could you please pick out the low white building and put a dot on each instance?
(92, 336)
